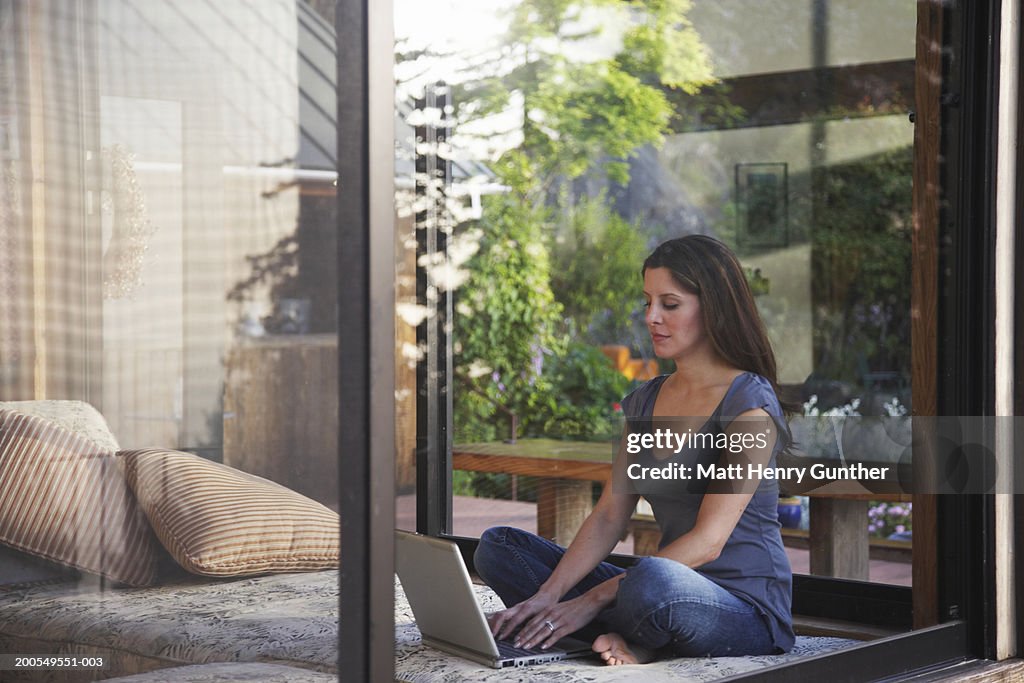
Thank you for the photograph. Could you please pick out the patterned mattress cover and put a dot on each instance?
(235, 672)
(417, 663)
(285, 619)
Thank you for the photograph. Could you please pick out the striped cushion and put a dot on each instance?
(218, 521)
(64, 498)
(75, 416)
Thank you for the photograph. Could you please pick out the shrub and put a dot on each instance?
(885, 519)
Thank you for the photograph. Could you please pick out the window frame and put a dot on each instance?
(954, 580)
(364, 35)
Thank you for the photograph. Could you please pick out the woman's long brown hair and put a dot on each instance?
(707, 268)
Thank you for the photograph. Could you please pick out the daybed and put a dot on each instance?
(417, 663)
(154, 558)
(289, 620)
(225, 625)
(269, 627)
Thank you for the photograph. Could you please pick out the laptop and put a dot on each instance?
(440, 593)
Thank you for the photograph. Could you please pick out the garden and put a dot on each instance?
(549, 270)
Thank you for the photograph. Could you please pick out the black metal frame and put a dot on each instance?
(861, 602)
(434, 372)
(891, 658)
(366, 368)
(966, 342)
(966, 387)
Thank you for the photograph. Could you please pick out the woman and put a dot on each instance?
(720, 583)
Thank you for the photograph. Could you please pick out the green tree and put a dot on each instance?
(506, 318)
(511, 347)
(597, 271)
(579, 115)
(582, 392)
(532, 284)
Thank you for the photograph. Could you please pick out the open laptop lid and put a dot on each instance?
(440, 593)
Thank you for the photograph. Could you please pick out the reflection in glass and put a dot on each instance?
(167, 226)
(584, 134)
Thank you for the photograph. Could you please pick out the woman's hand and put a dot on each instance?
(600, 532)
(545, 621)
(506, 622)
(549, 626)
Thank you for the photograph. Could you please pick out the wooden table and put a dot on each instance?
(566, 471)
(838, 533)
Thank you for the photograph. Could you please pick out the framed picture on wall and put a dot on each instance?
(762, 200)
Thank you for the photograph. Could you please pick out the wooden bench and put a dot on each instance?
(838, 533)
(567, 470)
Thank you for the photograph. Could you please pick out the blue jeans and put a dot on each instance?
(661, 604)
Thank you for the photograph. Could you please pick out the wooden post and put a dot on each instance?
(562, 505)
(838, 538)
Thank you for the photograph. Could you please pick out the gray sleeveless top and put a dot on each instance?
(753, 565)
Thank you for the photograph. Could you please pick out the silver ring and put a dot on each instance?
(550, 625)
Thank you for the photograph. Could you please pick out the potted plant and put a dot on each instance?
(790, 512)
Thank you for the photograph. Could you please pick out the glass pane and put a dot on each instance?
(167, 216)
(583, 135)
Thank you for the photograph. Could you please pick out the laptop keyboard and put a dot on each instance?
(507, 649)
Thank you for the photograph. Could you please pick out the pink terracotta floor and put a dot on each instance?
(471, 516)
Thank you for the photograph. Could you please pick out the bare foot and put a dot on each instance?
(614, 650)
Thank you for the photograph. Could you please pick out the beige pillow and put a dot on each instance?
(75, 416)
(64, 498)
(218, 521)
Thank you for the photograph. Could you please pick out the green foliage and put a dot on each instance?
(477, 418)
(462, 483)
(667, 46)
(493, 485)
(584, 390)
(527, 291)
(506, 327)
(596, 274)
(574, 396)
(587, 111)
(580, 115)
(859, 229)
(506, 316)
(759, 284)
(711, 109)
(861, 267)
(506, 308)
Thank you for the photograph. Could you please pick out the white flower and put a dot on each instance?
(894, 408)
(850, 409)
